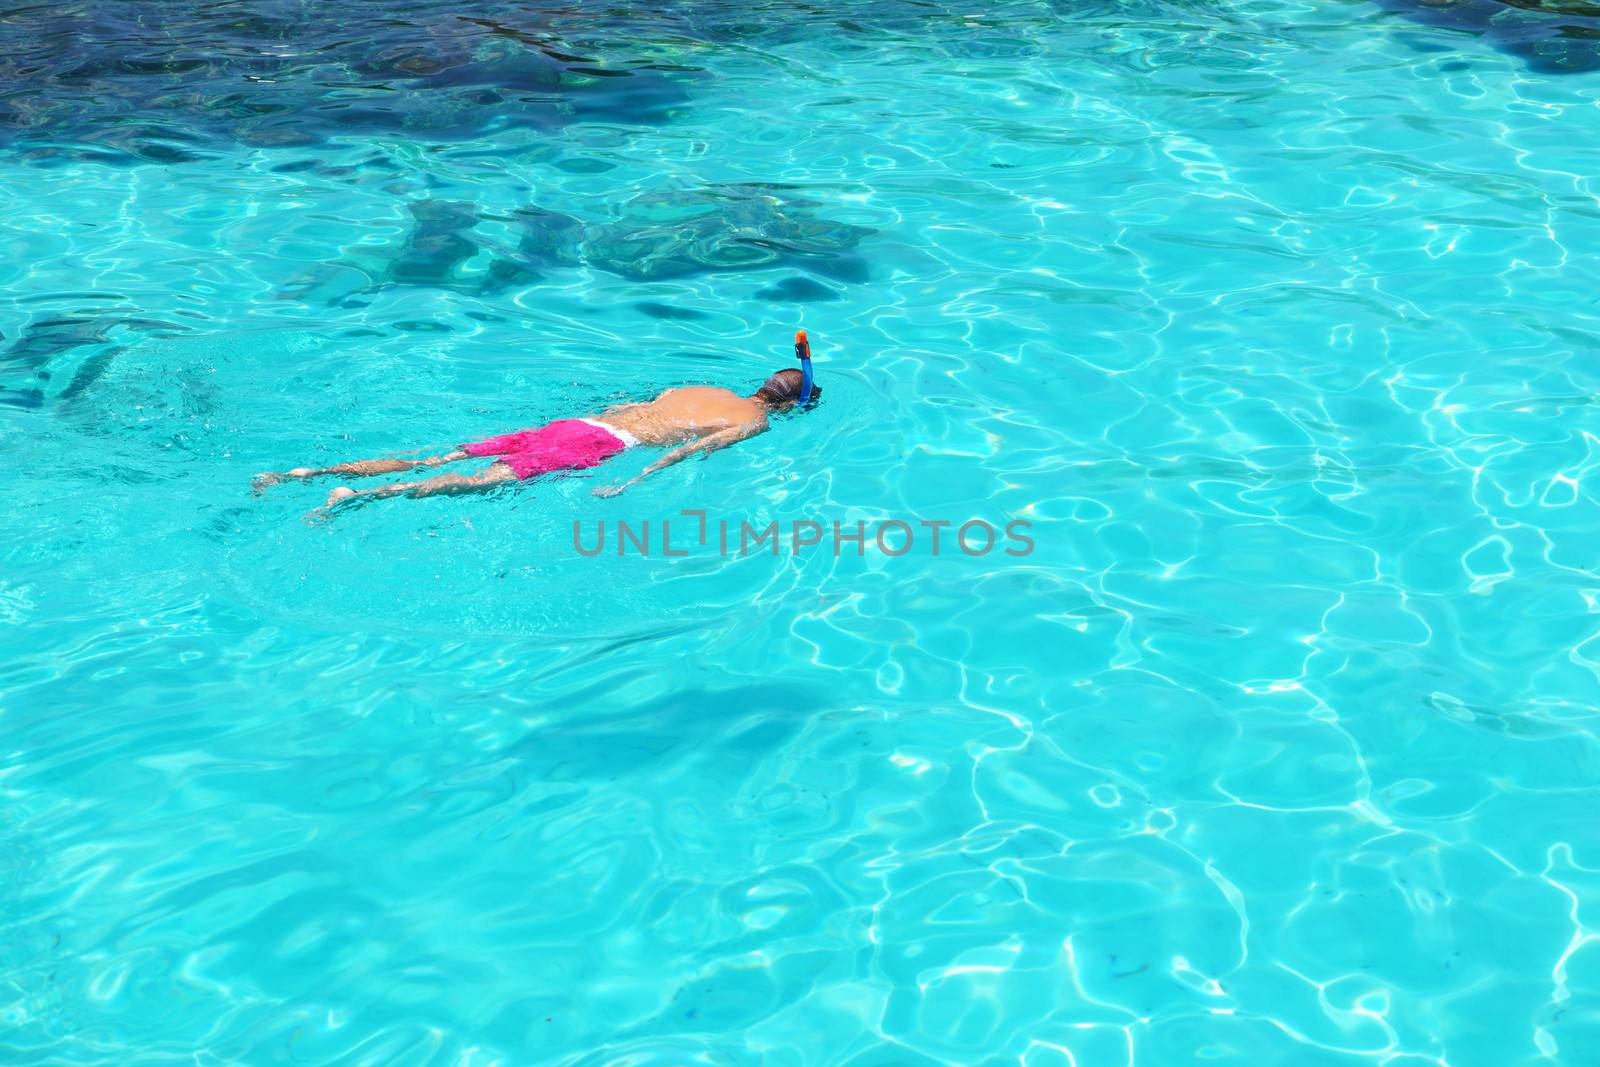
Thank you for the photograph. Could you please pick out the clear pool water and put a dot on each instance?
(1277, 321)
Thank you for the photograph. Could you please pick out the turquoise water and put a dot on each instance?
(1278, 322)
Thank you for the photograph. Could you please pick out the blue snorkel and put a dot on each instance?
(802, 352)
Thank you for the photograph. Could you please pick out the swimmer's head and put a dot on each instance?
(783, 389)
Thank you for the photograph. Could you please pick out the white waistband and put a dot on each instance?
(627, 439)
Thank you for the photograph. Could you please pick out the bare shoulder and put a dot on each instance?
(698, 393)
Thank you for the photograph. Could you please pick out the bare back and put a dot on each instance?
(684, 414)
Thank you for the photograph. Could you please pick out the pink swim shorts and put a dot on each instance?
(563, 445)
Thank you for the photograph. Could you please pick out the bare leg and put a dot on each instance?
(361, 468)
(445, 484)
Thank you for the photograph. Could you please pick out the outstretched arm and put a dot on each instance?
(707, 444)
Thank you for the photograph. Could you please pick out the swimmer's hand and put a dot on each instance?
(611, 490)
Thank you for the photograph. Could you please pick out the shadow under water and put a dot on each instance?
(31, 365)
(741, 226)
(660, 235)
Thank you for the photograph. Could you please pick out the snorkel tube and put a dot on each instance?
(802, 352)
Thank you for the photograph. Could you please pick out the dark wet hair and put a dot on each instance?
(785, 385)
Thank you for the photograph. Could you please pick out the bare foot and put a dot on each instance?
(318, 516)
(266, 480)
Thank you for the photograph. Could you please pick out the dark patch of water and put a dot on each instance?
(146, 81)
(1551, 36)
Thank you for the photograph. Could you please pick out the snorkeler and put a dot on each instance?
(696, 418)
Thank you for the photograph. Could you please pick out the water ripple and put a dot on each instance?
(1273, 320)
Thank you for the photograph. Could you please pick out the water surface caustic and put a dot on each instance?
(1277, 322)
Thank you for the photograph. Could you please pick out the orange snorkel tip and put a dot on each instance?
(802, 351)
